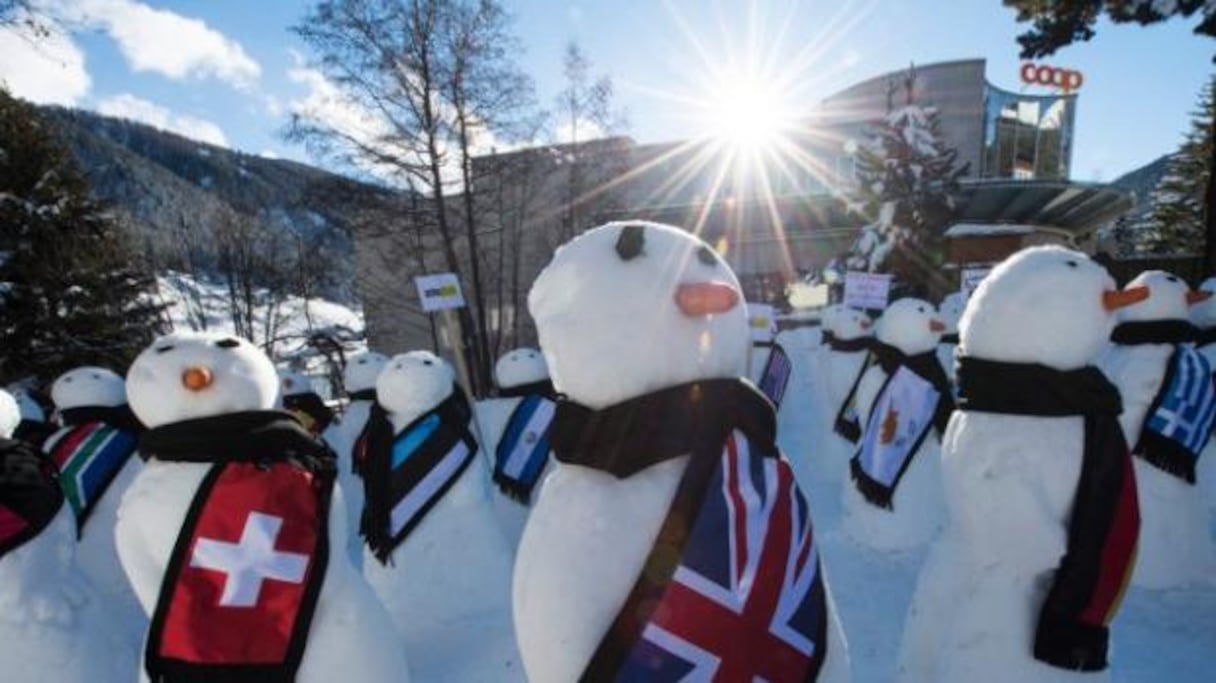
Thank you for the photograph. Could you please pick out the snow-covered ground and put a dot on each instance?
(1157, 636)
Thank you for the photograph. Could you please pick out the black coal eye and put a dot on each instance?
(228, 343)
(1072, 264)
(920, 308)
(428, 362)
(1172, 278)
(706, 255)
(165, 349)
(629, 244)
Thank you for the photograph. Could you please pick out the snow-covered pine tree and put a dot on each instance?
(907, 179)
(70, 292)
(1175, 224)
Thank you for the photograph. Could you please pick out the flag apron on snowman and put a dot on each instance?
(523, 450)
(732, 584)
(238, 597)
(1179, 421)
(90, 451)
(775, 377)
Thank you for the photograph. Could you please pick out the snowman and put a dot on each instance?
(1169, 404)
(95, 454)
(434, 553)
(35, 425)
(359, 381)
(1203, 315)
(516, 428)
(893, 498)
(227, 533)
(949, 311)
(52, 625)
(659, 441)
(835, 368)
(1042, 524)
(298, 397)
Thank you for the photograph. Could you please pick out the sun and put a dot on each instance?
(747, 113)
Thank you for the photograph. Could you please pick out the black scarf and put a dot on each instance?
(544, 387)
(845, 345)
(951, 338)
(384, 487)
(30, 495)
(1154, 332)
(1104, 524)
(118, 417)
(363, 395)
(250, 436)
(890, 359)
(311, 405)
(1205, 336)
(628, 437)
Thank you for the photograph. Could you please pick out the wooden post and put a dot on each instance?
(455, 339)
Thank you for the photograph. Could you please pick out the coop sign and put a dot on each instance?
(439, 291)
(1066, 80)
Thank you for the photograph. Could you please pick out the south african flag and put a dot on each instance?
(89, 455)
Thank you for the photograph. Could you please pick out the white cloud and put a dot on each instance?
(129, 106)
(48, 69)
(160, 41)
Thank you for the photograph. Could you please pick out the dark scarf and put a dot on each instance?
(30, 495)
(313, 407)
(694, 419)
(119, 417)
(628, 437)
(890, 359)
(951, 338)
(263, 462)
(1154, 332)
(363, 395)
(385, 486)
(544, 388)
(846, 345)
(1103, 526)
(250, 436)
(1205, 336)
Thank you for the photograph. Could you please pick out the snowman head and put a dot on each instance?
(520, 367)
(413, 383)
(1169, 298)
(1047, 305)
(950, 310)
(10, 414)
(88, 387)
(849, 323)
(1203, 313)
(185, 376)
(629, 308)
(910, 325)
(361, 371)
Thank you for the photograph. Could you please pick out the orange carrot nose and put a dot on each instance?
(706, 298)
(1196, 295)
(197, 378)
(1114, 299)
(936, 325)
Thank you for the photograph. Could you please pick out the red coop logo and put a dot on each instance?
(1067, 80)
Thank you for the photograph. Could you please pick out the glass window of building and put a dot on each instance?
(1027, 137)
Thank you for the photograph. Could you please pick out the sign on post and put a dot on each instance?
(763, 322)
(439, 292)
(970, 279)
(866, 290)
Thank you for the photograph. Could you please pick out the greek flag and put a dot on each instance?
(1180, 420)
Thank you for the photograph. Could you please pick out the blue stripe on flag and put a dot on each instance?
(406, 446)
(100, 469)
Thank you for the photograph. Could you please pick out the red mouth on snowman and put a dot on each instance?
(705, 298)
(1195, 296)
(197, 378)
(937, 326)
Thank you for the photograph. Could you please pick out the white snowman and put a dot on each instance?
(522, 377)
(53, 625)
(627, 313)
(911, 327)
(447, 582)
(1176, 546)
(835, 366)
(949, 311)
(1203, 314)
(209, 385)
(1011, 478)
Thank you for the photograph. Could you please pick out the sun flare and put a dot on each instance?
(747, 113)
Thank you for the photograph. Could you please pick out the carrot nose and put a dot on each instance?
(1196, 295)
(1115, 299)
(197, 378)
(706, 298)
(936, 325)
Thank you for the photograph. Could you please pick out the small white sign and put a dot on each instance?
(970, 279)
(439, 291)
(866, 290)
(763, 321)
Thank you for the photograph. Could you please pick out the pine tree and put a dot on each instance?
(907, 178)
(69, 291)
(1176, 222)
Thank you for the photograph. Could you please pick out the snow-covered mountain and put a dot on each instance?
(173, 190)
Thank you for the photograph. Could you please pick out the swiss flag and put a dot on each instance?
(247, 568)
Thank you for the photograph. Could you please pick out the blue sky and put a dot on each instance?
(229, 70)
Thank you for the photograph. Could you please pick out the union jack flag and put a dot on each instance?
(746, 600)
